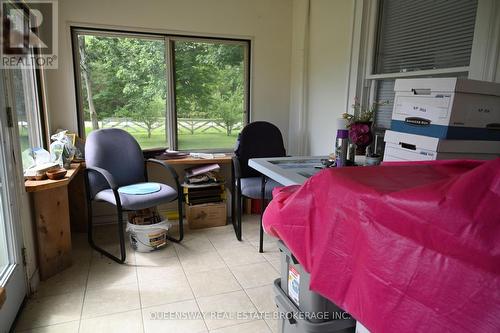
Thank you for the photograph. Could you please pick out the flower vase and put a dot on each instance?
(360, 133)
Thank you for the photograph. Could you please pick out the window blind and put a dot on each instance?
(385, 92)
(420, 35)
(425, 34)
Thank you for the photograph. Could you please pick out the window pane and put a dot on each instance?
(20, 106)
(210, 94)
(123, 86)
(26, 106)
(385, 92)
(424, 34)
(4, 190)
(4, 255)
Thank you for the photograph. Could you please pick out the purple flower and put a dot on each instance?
(360, 134)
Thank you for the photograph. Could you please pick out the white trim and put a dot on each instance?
(14, 279)
(371, 17)
(486, 43)
(105, 33)
(355, 57)
(299, 79)
(364, 34)
(304, 120)
(157, 31)
(418, 73)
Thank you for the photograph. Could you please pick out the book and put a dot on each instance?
(199, 170)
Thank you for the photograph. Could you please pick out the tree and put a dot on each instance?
(230, 111)
(88, 85)
(193, 79)
(129, 75)
(229, 97)
(151, 114)
(126, 78)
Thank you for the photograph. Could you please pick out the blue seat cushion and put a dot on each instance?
(251, 187)
(140, 189)
(139, 201)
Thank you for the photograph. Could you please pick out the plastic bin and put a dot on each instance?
(295, 283)
(147, 238)
(292, 320)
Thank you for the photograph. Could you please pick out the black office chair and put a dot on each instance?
(113, 160)
(257, 139)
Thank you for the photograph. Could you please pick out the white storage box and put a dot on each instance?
(447, 108)
(410, 147)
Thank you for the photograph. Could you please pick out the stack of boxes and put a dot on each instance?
(444, 118)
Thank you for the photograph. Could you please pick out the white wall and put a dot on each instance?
(267, 23)
(329, 53)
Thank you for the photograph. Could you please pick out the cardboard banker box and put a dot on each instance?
(206, 215)
(447, 108)
(410, 147)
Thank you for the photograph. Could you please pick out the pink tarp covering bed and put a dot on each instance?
(404, 247)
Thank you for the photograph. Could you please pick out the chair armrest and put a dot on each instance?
(107, 176)
(172, 171)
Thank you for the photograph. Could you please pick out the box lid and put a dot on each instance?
(427, 86)
(413, 141)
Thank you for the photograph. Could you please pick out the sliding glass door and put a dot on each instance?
(12, 271)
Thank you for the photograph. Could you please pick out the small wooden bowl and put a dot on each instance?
(56, 174)
(40, 177)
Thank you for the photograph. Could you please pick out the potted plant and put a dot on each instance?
(360, 124)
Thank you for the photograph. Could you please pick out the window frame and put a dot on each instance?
(362, 79)
(39, 136)
(169, 40)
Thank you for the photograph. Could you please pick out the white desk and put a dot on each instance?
(287, 170)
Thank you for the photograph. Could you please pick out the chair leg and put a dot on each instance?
(90, 226)
(240, 213)
(121, 235)
(181, 222)
(262, 208)
(233, 196)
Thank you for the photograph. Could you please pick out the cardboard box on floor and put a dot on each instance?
(206, 215)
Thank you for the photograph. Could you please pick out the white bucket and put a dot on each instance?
(147, 238)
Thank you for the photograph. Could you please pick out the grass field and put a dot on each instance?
(187, 141)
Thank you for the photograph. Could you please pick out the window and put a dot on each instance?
(167, 91)
(428, 38)
(21, 88)
(25, 102)
(21, 84)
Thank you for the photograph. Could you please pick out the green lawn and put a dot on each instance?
(187, 141)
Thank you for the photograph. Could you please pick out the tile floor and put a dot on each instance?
(209, 272)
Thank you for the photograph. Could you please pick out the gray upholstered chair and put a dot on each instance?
(114, 159)
(257, 139)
